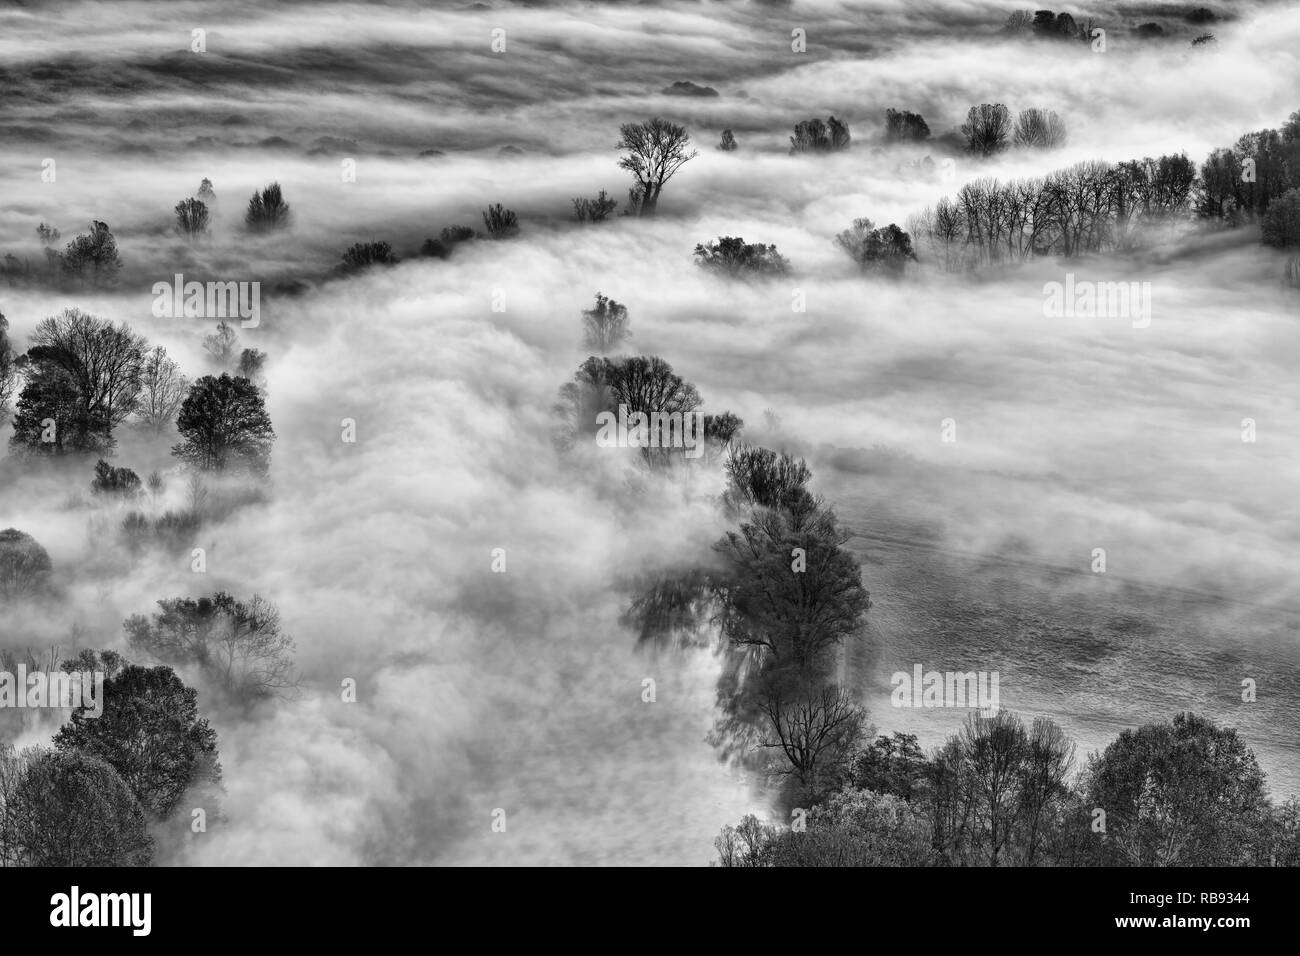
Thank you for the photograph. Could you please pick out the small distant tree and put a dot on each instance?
(656, 149)
(884, 250)
(1205, 39)
(733, 257)
(221, 344)
(267, 210)
(814, 136)
(25, 566)
(162, 389)
(119, 482)
(92, 258)
(815, 730)
(904, 126)
(594, 210)
(8, 367)
(501, 223)
(206, 194)
(1039, 129)
(1281, 222)
(192, 217)
(605, 326)
(986, 128)
(363, 255)
(225, 427)
(728, 142)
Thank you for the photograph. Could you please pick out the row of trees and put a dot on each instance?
(1185, 792)
(1086, 208)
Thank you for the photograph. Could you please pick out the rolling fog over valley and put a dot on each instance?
(537, 628)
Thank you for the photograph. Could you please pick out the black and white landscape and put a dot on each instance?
(687, 433)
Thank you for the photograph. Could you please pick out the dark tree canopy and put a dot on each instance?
(815, 136)
(225, 426)
(151, 733)
(68, 809)
(1186, 792)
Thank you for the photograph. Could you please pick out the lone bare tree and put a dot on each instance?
(162, 389)
(656, 150)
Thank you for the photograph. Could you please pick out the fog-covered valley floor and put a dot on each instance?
(523, 690)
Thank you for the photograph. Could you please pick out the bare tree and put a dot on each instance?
(986, 128)
(162, 389)
(239, 645)
(656, 149)
(816, 730)
(605, 326)
(103, 361)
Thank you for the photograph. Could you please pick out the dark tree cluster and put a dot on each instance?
(734, 258)
(883, 251)
(816, 136)
(1239, 184)
(904, 126)
(110, 778)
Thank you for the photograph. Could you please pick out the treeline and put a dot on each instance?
(999, 793)
(1095, 207)
(1090, 207)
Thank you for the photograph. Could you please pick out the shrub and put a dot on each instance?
(594, 210)
(115, 481)
(501, 223)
